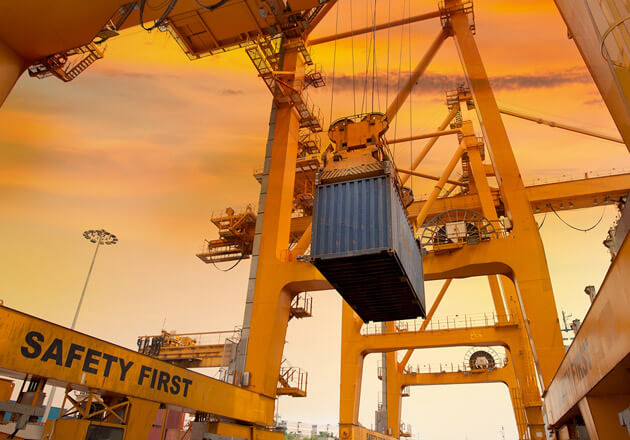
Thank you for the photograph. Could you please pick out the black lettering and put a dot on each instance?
(72, 354)
(124, 368)
(163, 381)
(91, 358)
(32, 339)
(186, 383)
(54, 351)
(109, 359)
(153, 377)
(144, 373)
(175, 384)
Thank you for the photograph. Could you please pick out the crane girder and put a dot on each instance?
(68, 358)
(573, 194)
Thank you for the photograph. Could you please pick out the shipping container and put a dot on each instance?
(363, 244)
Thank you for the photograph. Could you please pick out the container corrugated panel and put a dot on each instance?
(363, 244)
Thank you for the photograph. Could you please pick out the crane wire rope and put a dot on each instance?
(389, 31)
(378, 79)
(332, 91)
(374, 68)
(402, 37)
(576, 228)
(159, 21)
(354, 85)
(213, 6)
(368, 52)
(410, 99)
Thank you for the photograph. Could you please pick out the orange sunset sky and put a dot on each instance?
(148, 144)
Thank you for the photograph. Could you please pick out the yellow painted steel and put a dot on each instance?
(66, 429)
(11, 67)
(586, 38)
(197, 356)
(42, 28)
(278, 279)
(503, 375)
(356, 432)
(243, 432)
(596, 365)
(568, 195)
(38, 347)
(140, 417)
(524, 393)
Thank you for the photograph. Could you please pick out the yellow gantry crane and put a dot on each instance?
(466, 227)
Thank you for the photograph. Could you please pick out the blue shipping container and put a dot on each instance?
(363, 244)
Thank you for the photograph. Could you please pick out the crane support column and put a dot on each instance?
(530, 271)
(269, 306)
(351, 369)
(11, 67)
(601, 416)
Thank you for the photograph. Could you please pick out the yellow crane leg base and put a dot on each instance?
(245, 432)
(66, 428)
(354, 432)
(139, 422)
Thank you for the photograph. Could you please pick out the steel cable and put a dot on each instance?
(573, 227)
(159, 21)
(211, 7)
(354, 86)
(389, 31)
(229, 268)
(543, 221)
(332, 90)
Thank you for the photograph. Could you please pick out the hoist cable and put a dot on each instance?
(354, 85)
(402, 37)
(211, 7)
(332, 91)
(410, 99)
(389, 31)
(368, 41)
(373, 52)
(160, 20)
(579, 229)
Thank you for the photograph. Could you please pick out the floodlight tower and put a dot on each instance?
(98, 236)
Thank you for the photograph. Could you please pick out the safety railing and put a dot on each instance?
(292, 381)
(301, 306)
(405, 430)
(453, 367)
(438, 323)
(151, 344)
(568, 177)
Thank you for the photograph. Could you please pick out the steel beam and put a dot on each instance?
(378, 27)
(601, 346)
(582, 30)
(37, 347)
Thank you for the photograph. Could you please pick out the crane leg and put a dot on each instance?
(11, 67)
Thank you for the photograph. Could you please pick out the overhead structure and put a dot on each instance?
(496, 236)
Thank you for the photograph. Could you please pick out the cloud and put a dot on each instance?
(232, 92)
(435, 82)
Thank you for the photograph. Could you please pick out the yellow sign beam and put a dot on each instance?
(34, 346)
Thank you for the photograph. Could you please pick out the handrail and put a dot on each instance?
(449, 322)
